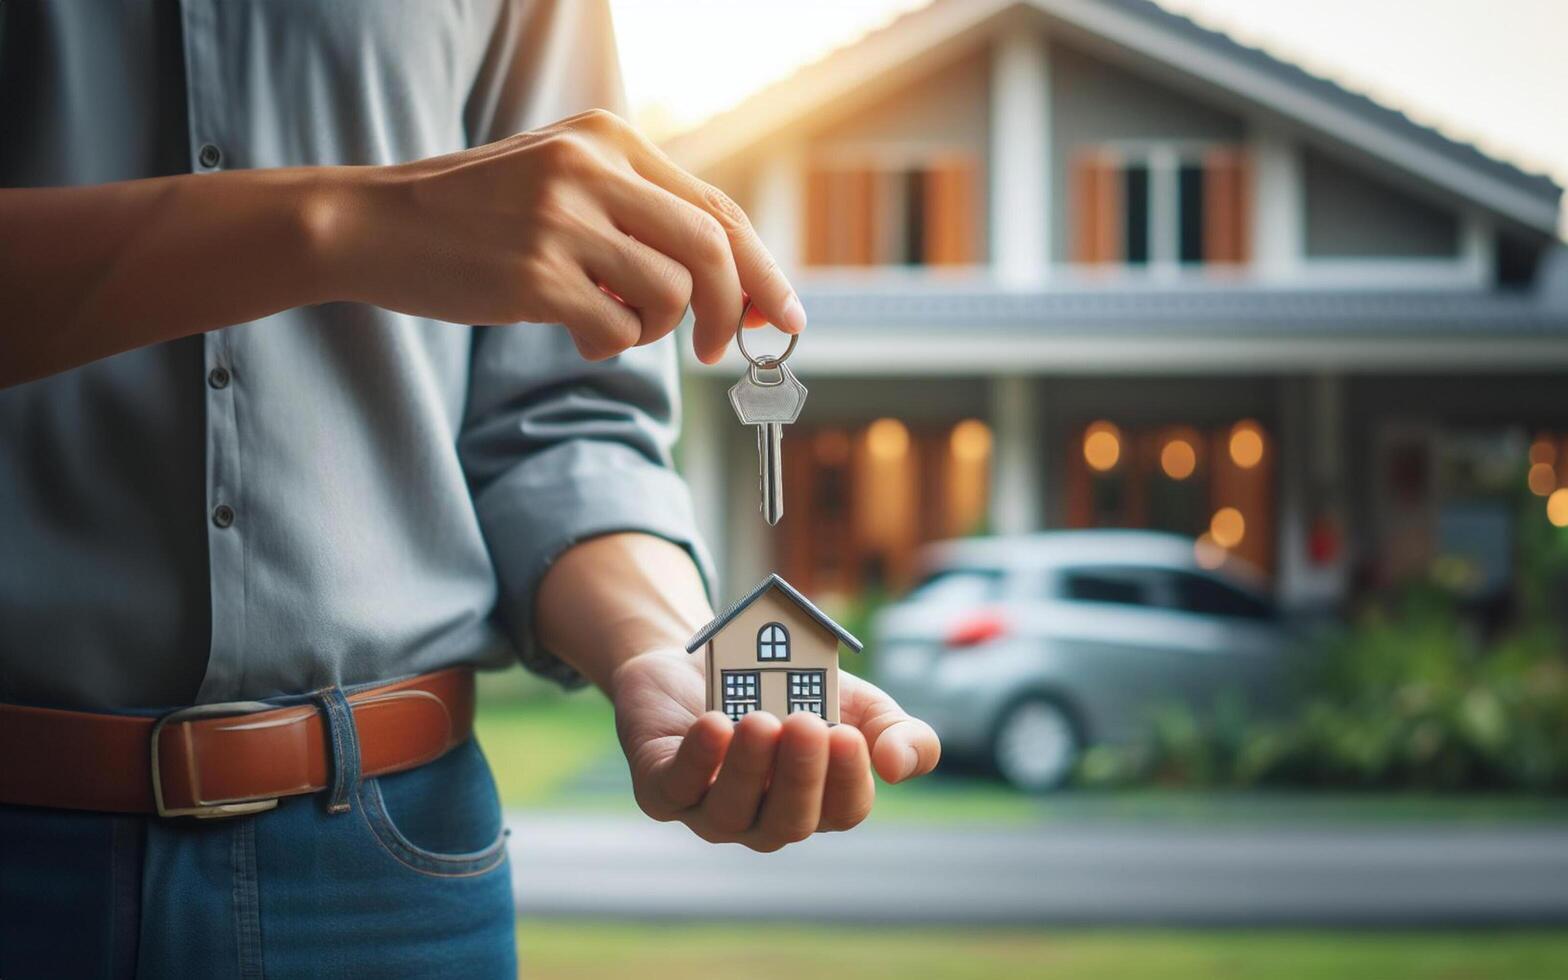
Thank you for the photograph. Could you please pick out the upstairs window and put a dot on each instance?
(773, 642)
(924, 213)
(1144, 205)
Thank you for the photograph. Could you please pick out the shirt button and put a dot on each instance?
(218, 377)
(209, 156)
(223, 515)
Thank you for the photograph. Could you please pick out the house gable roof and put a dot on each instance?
(1334, 114)
(773, 582)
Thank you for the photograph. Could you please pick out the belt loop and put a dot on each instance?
(344, 742)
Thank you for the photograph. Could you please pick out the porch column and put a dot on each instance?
(1016, 455)
(778, 208)
(1312, 486)
(1478, 249)
(1020, 211)
(1278, 233)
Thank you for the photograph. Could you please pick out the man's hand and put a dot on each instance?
(609, 601)
(583, 222)
(762, 783)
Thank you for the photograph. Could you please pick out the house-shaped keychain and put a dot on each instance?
(773, 651)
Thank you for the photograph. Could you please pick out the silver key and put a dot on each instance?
(769, 396)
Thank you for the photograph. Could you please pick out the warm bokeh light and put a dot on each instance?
(831, 447)
(1543, 450)
(971, 440)
(1206, 553)
(1227, 527)
(887, 439)
(1102, 446)
(1542, 479)
(885, 514)
(1178, 459)
(1557, 508)
(968, 478)
(1246, 444)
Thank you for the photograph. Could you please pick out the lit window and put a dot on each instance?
(773, 642)
(740, 693)
(805, 692)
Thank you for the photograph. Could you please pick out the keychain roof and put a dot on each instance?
(774, 581)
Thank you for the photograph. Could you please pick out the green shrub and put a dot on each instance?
(1408, 698)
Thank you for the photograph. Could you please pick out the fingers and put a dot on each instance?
(776, 781)
(794, 800)
(759, 273)
(901, 746)
(690, 221)
(696, 240)
(685, 778)
(754, 317)
(655, 286)
(601, 326)
(730, 808)
(850, 790)
(779, 782)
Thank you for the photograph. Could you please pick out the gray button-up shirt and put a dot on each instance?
(333, 494)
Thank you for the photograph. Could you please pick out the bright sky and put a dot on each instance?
(1491, 72)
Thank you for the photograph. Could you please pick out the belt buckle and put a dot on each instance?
(204, 810)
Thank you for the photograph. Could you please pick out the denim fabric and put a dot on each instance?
(411, 881)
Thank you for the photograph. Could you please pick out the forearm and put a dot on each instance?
(582, 223)
(614, 597)
(86, 272)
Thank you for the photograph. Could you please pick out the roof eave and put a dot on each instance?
(1255, 76)
(773, 581)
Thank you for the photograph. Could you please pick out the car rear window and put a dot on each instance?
(959, 585)
(1209, 597)
(1125, 588)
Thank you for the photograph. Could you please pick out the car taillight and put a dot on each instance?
(971, 631)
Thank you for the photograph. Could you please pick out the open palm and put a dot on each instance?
(761, 782)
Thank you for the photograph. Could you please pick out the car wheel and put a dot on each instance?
(1036, 745)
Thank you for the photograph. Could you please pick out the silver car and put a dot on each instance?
(1022, 651)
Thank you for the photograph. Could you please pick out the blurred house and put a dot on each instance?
(1086, 264)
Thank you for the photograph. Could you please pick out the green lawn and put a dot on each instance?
(762, 952)
(536, 746)
(559, 752)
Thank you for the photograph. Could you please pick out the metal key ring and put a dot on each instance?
(767, 360)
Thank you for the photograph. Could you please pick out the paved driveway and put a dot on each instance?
(1375, 875)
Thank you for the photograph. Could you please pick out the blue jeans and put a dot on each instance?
(413, 881)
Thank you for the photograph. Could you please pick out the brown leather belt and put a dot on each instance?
(225, 759)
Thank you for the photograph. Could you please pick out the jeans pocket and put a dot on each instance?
(442, 819)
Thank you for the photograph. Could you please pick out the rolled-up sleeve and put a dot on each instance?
(558, 450)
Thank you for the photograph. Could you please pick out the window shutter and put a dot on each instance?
(1097, 209)
(1226, 203)
(858, 205)
(819, 231)
(950, 216)
(840, 216)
